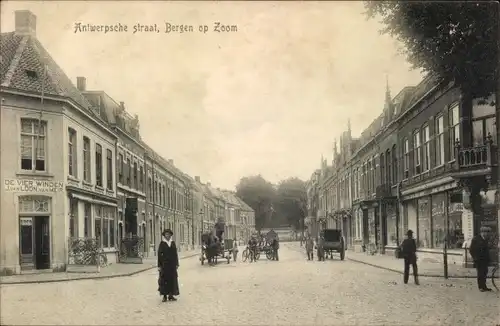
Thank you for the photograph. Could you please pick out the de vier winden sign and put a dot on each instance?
(29, 185)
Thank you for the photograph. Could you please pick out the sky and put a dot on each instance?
(269, 98)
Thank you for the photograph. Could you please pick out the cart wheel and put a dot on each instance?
(257, 255)
(269, 255)
(244, 255)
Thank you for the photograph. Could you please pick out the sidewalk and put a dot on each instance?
(425, 269)
(111, 271)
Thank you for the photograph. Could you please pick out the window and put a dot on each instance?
(424, 223)
(394, 165)
(406, 161)
(417, 152)
(455, 234)
(98, 165)
(73, 218)
(105, 227)
(97, 225)
(136, 185)
(160, 194)
(33, 152)
(86, 159)
(483, 121)
(72, 158)
(389, 166)
(120, 169)
(109, 169)
(87, 220)
(150, 190)
(454, 129)
(141, 179)
(438, 220)
(129, 174)
(427, 148)
(374, 181)
(156, 192)
(439, 141)
(391, 226)
(382, 168)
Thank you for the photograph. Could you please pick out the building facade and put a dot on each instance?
(425, 164)
(106, 187)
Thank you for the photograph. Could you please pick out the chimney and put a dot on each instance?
(25, 22)
(209, 184)
(81, 84)
(197, 179)
(171, 161)
(122, 105)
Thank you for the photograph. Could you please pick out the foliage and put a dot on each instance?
(291, 201)
(458, 41)
(259, 194)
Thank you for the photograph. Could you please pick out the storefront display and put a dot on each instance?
(424, 223)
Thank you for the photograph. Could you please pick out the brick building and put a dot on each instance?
(426, 164)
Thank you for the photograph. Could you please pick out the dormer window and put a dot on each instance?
(31, 73)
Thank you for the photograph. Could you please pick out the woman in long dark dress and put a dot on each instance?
(168, 263)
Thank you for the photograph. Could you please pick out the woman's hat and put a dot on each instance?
(167, 231)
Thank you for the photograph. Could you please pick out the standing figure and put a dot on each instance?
(409, 253)
(275, 247)
(320, 250)
(168, 263)
(235, 249)
(480, 252)
(310, 248)
(252, 248)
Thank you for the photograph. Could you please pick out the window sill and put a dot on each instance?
(73, 178)
(33, 173)
(87, 183)
(99, 188)
(109, 250)
(439, 166)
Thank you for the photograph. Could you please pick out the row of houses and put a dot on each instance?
(427, 163)
(75, 167)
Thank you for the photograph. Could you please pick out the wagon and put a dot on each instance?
(221, 252)
(333, 242)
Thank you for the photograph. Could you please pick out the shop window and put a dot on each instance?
(438, 220)
(424, 224)
(392, 230)
(455, 234)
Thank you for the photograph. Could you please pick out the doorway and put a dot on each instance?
(34, 237)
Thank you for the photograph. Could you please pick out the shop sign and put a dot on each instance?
(32, 185)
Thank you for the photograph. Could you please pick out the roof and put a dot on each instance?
(231, 198)
(244, 206)
(22, 53)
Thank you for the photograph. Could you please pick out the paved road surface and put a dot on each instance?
(290, 292)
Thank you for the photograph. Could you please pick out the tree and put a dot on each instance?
(259, 194)
(458, 41)
(291, 201)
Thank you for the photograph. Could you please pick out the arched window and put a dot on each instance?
(389, 166)
(382, 168)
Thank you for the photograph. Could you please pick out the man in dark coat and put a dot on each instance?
(275, 244)
(480, 252)
(409, 253)
(168, 263)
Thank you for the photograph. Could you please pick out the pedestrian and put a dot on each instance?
(168, 263)
(480, 252)
(235, 249)
(320, 250)
(409, 253)
(275, 246)
(310, 248)
(252, 248)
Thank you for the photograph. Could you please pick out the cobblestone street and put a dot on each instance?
(292, 291)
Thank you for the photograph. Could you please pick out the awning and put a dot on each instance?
(93, 201)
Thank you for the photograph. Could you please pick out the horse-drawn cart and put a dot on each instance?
(213, 249)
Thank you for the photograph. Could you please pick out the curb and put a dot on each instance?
(401, 273)
(420, 275)
(97, 277)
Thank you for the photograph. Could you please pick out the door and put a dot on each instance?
(26, 243)
(42, 242)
